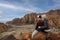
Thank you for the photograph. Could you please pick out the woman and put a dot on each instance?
(42, 25)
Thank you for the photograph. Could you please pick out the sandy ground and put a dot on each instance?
(20, 29)
(17, 29)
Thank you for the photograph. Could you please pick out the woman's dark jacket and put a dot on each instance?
(44, 25)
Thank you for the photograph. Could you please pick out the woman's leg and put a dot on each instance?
(35, 32)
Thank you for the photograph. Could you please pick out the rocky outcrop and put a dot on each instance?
(30, 18)
(4, 27)
(8, 37)
(53, 17)
(27, 19)
(40, 36)
(28, 36)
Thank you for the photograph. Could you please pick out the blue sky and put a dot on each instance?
(10, 9)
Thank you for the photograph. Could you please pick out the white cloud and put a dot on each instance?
(1, 12)
(4, 20)
(56, 4)
(21, 8)
(8, 6)
(56, 0)
(15, 7)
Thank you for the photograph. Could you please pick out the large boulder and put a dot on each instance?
(40, 36)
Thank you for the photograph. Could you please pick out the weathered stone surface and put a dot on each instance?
(4, 27)
(40, 36)
(8, 37)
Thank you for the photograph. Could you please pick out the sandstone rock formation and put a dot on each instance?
(4, 27)
(27, 19)
(53, 17)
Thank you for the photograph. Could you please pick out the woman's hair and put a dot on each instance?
(40, 16)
